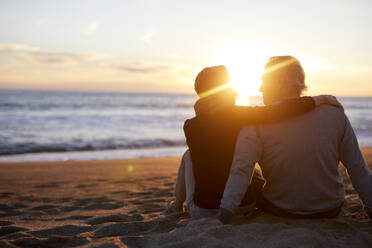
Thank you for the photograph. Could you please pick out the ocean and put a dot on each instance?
(65, 125)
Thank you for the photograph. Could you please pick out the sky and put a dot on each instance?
(160, 46)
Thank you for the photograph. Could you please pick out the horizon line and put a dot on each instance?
(145, 92)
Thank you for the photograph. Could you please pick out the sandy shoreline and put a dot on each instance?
(118, 203)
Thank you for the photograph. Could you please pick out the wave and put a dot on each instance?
(20, 100)
(33, 147)
(93, 106)
(356, 107)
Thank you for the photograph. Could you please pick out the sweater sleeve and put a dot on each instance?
(353, 160)
(248, 151)
(274, 113)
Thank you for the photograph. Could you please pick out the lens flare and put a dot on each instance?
(245, 63)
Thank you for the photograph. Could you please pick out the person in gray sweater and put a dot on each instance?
(299, 158)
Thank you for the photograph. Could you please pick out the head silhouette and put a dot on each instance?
(213, 81)
(283, 77)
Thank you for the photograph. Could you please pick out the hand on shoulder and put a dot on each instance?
(327, 99)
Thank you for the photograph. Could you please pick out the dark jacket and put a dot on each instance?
(211, 140)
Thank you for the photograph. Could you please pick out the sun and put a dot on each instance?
(245, 63)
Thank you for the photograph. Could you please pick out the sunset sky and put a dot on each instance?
(159, 46)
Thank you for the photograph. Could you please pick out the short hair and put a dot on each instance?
(289, 68)
(211, 78)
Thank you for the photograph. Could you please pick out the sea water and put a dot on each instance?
(65, 125)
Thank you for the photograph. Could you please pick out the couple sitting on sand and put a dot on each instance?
(298, 143)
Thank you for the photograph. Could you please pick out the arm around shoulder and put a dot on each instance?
(286, 109)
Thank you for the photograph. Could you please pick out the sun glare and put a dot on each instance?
(245, 64)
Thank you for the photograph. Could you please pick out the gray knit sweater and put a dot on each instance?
(299, 159)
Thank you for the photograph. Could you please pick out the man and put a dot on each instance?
(299, 158)
(211, 136)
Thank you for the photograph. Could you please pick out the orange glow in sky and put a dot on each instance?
(147, 46)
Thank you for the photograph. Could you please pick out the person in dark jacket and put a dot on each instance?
(211, 137)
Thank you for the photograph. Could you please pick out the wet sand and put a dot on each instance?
(119, 203)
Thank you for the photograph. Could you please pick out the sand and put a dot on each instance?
(119, 203)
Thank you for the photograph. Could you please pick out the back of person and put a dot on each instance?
(299, 158)
(300, 161)
(211, 141)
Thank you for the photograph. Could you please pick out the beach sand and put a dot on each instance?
(119, 203)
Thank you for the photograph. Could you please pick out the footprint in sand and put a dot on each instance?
(53, 241)
(19, 205)
(123, 181)
(120, 192)
(125, 229)
(162, 192)
(66, 230)
(74, 217)
(4, 244)
(5, 223)
(16, 235)
(103, 206)
(43, 207)
(46, 200)
(87, 201)
(114, 218)
(152, 211)
(144, 193)
(86, 185)
(6, 194)
(8, 211)
(158, 178)
(4, 207)
(106, 245)
(102, 180)
(48, 185)
(27, 199)
(47, 209)
(67, 209)
(5, 230)
(142, 202)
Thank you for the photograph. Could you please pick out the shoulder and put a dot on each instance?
(191, 123)
(330, 112)
(187, 123)
(325, 117)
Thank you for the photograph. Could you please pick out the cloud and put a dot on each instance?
(59, 58)
(142, 68)
(147, 37)
(88, 28)
(14, 47)
(26, 53)
(40, 68)
(91, 28)
(149, 34)
(151, 72)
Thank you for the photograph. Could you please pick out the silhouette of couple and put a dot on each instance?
(298, 143)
